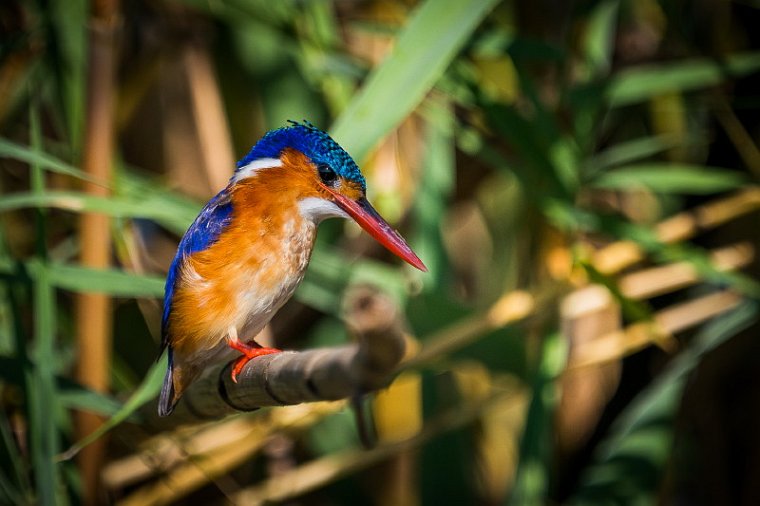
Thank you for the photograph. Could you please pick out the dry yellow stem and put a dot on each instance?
(207, 459)
(622, 254)
(656, 281)
(667, 322)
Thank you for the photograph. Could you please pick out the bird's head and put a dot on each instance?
(325, 178)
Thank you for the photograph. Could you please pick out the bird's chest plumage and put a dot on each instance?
(274, 274)
(241, 280)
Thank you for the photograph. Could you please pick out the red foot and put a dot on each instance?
(249, 351)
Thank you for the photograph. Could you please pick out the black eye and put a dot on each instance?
(326, 174)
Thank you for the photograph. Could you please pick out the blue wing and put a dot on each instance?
(205, 230)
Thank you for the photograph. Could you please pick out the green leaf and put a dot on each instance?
(632, 309)
(431, 202)
(631, 151)
(148, 208)
(423, 50)
(599, 40)
(74, 396)
(9, 149)
(107, 281)
(670, 178)
(43, 401)
(14, 485)
(631, 462)
(147, 391)
(641, 83)
(534, 470)
(68, 51)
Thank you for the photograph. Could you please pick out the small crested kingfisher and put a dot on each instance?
(247, 251)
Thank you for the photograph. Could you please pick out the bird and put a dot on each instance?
(248, 249)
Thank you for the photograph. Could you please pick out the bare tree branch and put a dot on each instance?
(293, 377)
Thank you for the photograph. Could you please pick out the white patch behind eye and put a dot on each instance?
(252, 168)
(317, 209)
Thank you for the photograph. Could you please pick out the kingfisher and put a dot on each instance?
(248, 249)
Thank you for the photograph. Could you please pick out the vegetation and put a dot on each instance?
(579, 177)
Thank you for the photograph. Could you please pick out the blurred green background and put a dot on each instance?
(579, 177)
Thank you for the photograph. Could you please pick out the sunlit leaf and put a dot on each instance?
(598, 43)
(147, 391)
(153, 209)
(670, 178)
(82, 279)
(429, 41)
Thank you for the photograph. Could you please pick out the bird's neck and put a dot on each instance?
(267, 213)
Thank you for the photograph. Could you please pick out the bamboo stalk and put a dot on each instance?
(93, 311)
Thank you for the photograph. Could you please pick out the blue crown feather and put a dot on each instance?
(312, 142)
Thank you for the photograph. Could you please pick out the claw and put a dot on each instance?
(249, 352)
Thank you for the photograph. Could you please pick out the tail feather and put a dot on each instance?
(168, 397)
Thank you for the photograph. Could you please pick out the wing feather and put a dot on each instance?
(205, 230)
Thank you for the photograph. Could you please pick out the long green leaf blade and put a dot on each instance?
(631, 151)
(639, 84)
(670, 178)
(422, 52)
(42, 396)
(9, 149)
(642, 437)
(111, 281)
(147, 390)
(149, 208)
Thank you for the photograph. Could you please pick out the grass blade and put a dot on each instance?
(106, 281)
(422, 52)
(631, 151)
(43, 400)
(670, 178)
(639, 84)
(147, 391)
(599, 40)
(533, 473)
(41, 383)
(119, 207)
(630, 464)
(33, 157)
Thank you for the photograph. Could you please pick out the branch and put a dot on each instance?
(293, 377)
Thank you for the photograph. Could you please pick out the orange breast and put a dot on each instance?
(246, 275)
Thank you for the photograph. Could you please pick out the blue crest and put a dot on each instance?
(312, 142)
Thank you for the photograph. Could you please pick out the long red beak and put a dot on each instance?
(370, 220)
